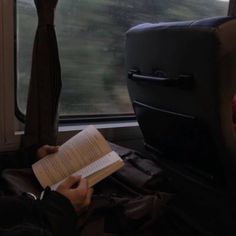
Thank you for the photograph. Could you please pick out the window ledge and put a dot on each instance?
(112, 131)
(79, 127)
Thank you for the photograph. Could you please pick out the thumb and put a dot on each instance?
(70, 181)
(51, 149)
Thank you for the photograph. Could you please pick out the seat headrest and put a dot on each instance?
(203, 23)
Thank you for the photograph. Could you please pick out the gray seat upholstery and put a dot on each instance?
(181, 80)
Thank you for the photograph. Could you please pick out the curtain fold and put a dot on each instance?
(41, 122)
(232, 8)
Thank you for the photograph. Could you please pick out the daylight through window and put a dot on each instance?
(91, 36)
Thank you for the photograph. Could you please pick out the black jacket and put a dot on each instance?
(22, 215)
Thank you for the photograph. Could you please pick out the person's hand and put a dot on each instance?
(79, 196)
(46, 150)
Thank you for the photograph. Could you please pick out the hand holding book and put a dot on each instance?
(79, 196)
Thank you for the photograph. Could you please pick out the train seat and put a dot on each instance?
(181, 81)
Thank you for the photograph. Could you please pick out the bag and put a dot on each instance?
(18, 181)
(128, 202)
(117, 209)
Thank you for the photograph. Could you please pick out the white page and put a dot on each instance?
(82, 149)
(94, 167)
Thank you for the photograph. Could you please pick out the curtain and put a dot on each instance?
(232, 8)
(41, 122)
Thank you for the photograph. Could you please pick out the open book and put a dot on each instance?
(87, 154)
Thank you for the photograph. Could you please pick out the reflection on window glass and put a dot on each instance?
(91, 37)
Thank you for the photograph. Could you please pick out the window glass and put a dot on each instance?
(91, 35)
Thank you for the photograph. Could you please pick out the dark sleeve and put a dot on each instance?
(53, 215)
(22, 158)
(58, 213)
(18, 217)
(27, 156)
(25, 230)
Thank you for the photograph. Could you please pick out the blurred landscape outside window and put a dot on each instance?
(91, 39)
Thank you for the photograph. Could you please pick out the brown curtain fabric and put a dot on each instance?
(45, 84)
(232, 8)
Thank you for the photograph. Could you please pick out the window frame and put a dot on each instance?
(8, 139)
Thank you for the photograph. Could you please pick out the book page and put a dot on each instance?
(97, 168)
(102, 174)
(79, 151)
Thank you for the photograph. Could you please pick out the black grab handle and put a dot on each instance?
(181, 80)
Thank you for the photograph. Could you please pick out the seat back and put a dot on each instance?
(181, 81)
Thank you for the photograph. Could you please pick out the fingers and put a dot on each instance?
(83, 185)
(70, 181)
(82, 189)
(80, 197)
(88, 197)
(45, 150)
(50, 149)
(83, 198)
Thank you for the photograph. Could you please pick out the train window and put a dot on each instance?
(91, 35)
